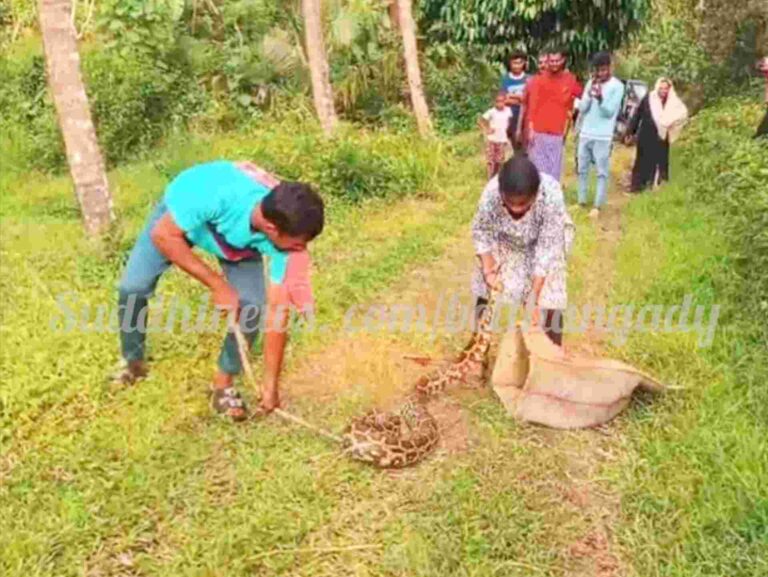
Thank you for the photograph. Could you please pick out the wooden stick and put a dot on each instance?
(242, 348)
(425, 360)
(299, 421)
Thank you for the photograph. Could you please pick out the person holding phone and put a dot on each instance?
(600, 107)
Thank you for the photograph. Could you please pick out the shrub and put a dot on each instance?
(734, 180)
(352, 167)
(28, 121)
(708, 53)
(459, 90)
(133, 103)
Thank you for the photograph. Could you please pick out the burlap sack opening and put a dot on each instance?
(538, 383)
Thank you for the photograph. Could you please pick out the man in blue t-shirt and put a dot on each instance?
(599, 109)
(239, 214)
(513, 86)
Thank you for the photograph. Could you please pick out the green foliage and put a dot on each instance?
(697, 484)
(667, 49)
(364, 52)
(728, 28)
(352, 167)
(28, 123)
(246, 52)
(240, 61)
(16, 16)
(734, 180)
(148, 26)
(499, 26)
(459, 86)
(709, 54)
(133, 103)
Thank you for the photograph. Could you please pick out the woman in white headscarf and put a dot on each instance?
(656, 124)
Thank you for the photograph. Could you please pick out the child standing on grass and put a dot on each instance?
(495, 123)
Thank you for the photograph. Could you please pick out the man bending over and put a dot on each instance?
(239, 214)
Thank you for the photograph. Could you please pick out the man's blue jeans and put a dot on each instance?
(145, 267)
(597, 152)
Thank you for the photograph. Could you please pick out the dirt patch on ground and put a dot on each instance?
(594, 553)
(454, 425)
(598, 271)
(584, 452)
(375, 368)
(376, 364)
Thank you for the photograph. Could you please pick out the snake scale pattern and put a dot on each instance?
(405, 437)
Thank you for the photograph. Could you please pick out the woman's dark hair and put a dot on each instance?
(601, 58)
(519, 177)
(295, 209)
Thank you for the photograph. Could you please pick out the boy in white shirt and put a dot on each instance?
(495, 123)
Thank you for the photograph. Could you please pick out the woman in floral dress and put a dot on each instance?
(522, 235)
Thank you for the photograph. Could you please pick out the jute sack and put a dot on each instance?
(538, 383)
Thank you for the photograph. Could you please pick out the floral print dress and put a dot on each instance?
(535, 245)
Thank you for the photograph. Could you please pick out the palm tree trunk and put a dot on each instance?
(66, 84)
(394, 13)
(318, 65)
(411, 53)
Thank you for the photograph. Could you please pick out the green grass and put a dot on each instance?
(97, 480)
(695, 497)
(144, 480)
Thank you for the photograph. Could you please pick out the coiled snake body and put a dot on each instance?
(405, 437)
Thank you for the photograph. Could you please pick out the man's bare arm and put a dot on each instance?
(170, 241)
(275, 338)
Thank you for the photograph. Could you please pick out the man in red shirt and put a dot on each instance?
(549, 104)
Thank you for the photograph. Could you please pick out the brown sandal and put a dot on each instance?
(229, 403)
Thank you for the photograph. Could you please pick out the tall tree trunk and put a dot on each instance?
(66, 84)
(411, 53)
(318, 64)
(394, 14)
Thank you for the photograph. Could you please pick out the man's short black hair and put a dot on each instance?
(517, 55)
(519, 177)
(561, 50)
(295, 209)
(601, 58)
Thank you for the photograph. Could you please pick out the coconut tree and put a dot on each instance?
(318, 64)
(407, 25)
(86, 164)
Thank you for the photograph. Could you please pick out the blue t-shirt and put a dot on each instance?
(212, 203)
(513, 84)
(598, 117)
